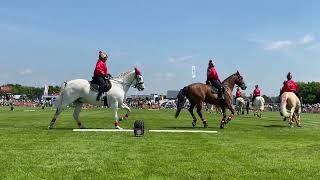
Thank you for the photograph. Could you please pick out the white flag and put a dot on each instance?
(46, 90)
(193, 71)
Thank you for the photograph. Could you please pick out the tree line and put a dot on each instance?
(32, 92)
(309, 91)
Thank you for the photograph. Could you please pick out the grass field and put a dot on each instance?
(249, 148)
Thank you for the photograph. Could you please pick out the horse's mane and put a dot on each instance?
(227, 79)
(120, 76)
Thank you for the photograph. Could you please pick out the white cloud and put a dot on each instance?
(308, 38)
(25, 72)
(285, 44)
(275, 45)
(180, 59)
(164, 76)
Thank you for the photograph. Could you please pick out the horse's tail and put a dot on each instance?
(283, 106)
(59, 100)
(181, 100)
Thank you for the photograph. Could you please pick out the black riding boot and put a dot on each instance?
(99, 96)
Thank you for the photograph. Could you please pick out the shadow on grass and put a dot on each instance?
(191, 128)
(276, 126)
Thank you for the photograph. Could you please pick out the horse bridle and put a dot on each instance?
(137, 83)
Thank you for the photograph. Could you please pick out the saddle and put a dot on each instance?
(94, 86)
(213, 89)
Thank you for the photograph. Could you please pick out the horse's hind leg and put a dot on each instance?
(199, 107)
(223, 121)
(64, 102)
(76, 113)
(194, 121)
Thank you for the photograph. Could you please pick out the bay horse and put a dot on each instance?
(197, 93)
(79, 91)
(290, 108)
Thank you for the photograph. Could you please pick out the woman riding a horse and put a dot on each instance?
(198, 93)
(289, 85)
(214, 80)
(100, 75)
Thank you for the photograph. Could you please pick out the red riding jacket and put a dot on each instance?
(101, 69)
(212, 74)
(289, 86)
(256, 92)
(238, 94)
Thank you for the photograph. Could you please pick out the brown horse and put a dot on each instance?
(198, 93)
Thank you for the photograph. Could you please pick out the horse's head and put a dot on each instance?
(138, 81)
(239, 81)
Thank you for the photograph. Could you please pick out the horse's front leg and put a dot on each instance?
(115, 108)
(125, 117)
(231, 116)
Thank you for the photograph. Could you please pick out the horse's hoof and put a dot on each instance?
(120, 119)
(50, 127)
(118, 127)
(221, 126)
(205, 125)
(82, 127)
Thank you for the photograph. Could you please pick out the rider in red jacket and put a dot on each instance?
(213, 79)
(100, 74)
(289, 85)
(238, 93)
(256, 93)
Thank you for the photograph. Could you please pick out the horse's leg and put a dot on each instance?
(223, 121)
(62, 103)
(298, 120)
(299, 116)
(76, 113)
(199, 107)
(57, 113)
(115, 108)
(291, 116)
(231, 116)
(124, 106)
(194, 119)
(260, 113)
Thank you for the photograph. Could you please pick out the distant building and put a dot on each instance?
(145, 97)
(172, 94)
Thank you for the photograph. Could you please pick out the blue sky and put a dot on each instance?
(51, 42)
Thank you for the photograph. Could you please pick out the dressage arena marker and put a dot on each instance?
(131, 130)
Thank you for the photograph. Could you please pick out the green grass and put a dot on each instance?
(249, 148)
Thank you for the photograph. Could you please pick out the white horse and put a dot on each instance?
(78, 91)
(211, 108)
(258, 106)
(290, 108)
(240, 105)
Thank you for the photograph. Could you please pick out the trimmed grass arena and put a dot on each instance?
(248, 148)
